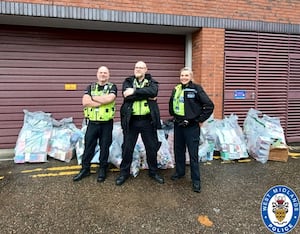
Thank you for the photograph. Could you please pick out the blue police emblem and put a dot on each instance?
(280, 209)
(190, 95)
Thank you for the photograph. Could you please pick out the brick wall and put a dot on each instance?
(281, 11)
(208, 43)
(208, 62)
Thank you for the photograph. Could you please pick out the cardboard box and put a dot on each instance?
(279, 154)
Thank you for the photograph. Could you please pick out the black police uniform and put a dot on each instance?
(197, 108)
(146, 125)
(98, 130)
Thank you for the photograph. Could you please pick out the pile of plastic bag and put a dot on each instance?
(63, 139)
(42, 136)
(261, 133)
(32, 142)
(225, 136)
(164, 157)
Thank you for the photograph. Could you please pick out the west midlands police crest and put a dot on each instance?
(280, 209)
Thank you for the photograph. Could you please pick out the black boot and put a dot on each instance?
(121, 179)
(176, 176)
(157, 178)
(83, 173)
(102, 175)
(196, 186)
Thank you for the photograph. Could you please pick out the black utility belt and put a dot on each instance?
(140, 117)
(185, 122)
(100, 122)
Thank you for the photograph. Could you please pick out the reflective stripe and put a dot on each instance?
(140, 107)
(178, 101)
(104, 112)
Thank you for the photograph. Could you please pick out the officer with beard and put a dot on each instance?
(140, 115)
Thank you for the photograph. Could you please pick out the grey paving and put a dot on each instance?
(34, 198)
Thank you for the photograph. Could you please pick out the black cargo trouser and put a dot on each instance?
(187, 137)
(150, 140)
(101, 131)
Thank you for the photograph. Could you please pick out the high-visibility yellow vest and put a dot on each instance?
(103, 112)
(178, 101)
(140, 107)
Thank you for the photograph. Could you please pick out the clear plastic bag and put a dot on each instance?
(261, 133)
(33, 138)
(63, 139)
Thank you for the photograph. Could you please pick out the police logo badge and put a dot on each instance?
(280, 209)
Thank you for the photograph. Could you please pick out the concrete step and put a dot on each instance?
(7, 154)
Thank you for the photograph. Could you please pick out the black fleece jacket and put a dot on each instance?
(197, 105)
(146, 93)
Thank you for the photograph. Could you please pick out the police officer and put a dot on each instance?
(189, 105)
(99, 108)
(140, 115)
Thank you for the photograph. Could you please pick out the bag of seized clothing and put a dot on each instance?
(79, 146)
(115, 150)
(230, 139)
(63, 139)
(164, 157)
(207, 140)
(33, 139)
(261, 133)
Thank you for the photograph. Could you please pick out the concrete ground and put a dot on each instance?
(42, 198)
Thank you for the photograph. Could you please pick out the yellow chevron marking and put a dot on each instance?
(295, 157)
(114, 169)
(294, 154)
(244, 160)
(33, 170)
(58, 174)
(1, 177)
(54, 174)
(227, 161)
(62, 171)
(64, 168)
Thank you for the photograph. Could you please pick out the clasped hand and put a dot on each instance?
(128, 92)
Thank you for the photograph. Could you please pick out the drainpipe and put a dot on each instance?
(188, 50)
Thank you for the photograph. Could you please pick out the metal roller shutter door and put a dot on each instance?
(265, 67)
(37, 63)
